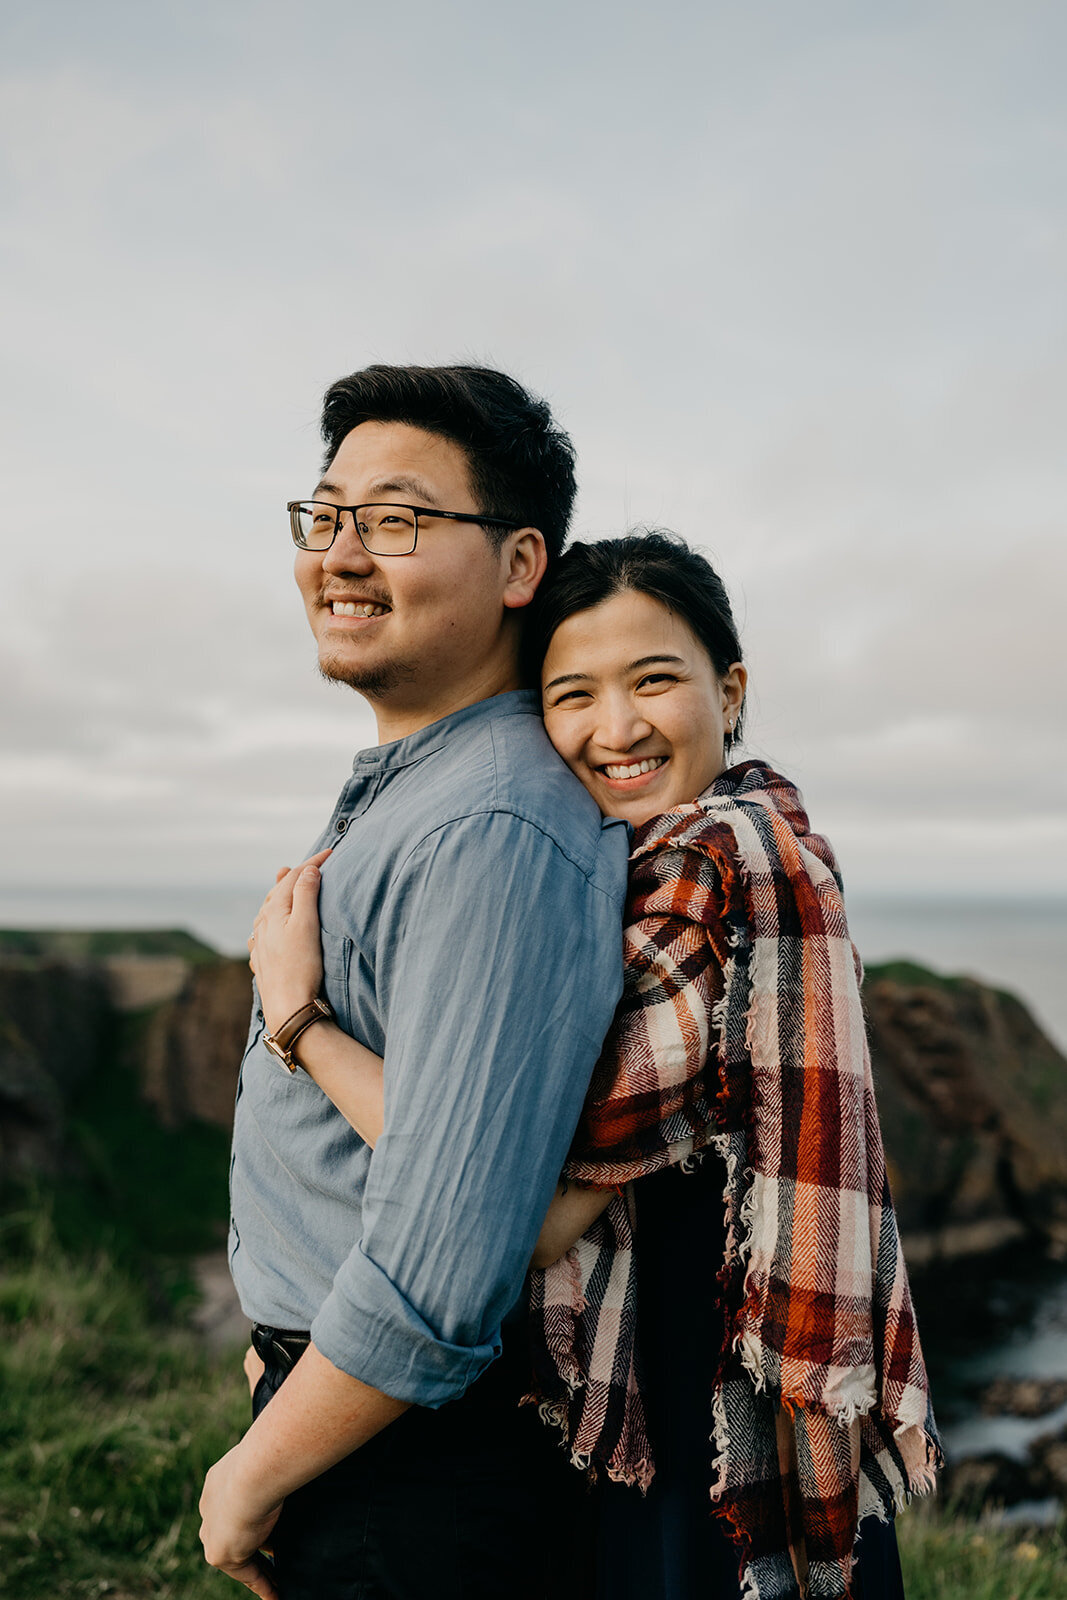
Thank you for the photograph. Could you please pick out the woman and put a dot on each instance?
(764, 1281)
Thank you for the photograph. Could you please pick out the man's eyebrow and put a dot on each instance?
(631, 666)
(380, 489)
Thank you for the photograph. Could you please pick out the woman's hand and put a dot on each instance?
(285, 950)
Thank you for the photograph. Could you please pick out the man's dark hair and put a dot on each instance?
(521, 463)
(654, 562)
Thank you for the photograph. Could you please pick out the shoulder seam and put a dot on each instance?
(511, 811)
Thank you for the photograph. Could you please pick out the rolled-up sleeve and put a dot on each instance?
(499, 963)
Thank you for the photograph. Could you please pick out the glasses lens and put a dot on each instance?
(313, 523)
(387, 530)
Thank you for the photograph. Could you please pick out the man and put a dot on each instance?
(471, 914)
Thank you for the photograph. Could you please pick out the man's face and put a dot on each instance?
(435, 628)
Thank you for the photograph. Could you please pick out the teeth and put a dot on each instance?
(349, 608)
(635, 769)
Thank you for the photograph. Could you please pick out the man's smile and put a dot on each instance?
(360, 608)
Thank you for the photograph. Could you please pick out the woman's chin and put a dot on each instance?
(641, 808)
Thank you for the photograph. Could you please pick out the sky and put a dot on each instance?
(791, 276)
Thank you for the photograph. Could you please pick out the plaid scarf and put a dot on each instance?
(741, 1032)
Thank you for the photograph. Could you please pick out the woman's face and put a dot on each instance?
(635, 707)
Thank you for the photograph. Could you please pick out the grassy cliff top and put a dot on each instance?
(77, 944)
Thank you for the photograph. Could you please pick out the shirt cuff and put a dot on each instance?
(367, 1329)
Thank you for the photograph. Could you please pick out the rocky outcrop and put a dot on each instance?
(74, 1006)
(973, 1101)
(973, 1096)
(193, 1045)
(56, 1031)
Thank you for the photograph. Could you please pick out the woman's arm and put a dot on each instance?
(285, 953)
(573, 1210)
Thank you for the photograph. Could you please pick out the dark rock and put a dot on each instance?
(1051, 1457)
(1023, 1397)
(193, 1046)
(973, 1102)
(993, 1480)
(56, 1026)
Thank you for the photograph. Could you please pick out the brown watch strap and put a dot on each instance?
(281, 1043)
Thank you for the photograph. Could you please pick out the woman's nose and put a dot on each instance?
(621, 726)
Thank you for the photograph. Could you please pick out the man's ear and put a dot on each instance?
(527, 563)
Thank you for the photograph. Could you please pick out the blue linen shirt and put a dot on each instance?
(472, 936)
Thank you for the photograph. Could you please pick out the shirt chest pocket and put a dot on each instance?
(336, 965)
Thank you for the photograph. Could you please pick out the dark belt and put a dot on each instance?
(282, 1346)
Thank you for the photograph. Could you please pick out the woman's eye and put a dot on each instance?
(657, 679)
(572, 695)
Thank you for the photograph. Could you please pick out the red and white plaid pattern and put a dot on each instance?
(741, 1031)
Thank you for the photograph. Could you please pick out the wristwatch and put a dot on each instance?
(281, 1044)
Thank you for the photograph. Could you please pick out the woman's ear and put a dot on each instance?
(733, 685)
(527, 561)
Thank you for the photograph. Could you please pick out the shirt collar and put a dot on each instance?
(403, 752)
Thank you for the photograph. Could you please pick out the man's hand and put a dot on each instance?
(234, 1529)
(318, 1416)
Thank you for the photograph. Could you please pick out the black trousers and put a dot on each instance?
(475, 1501)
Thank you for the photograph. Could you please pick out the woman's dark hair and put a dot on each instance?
(521, 462)
(653, 562)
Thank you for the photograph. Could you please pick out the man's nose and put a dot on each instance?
(347, 553)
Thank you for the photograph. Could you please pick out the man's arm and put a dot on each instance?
(498, 967)
(318, 1416)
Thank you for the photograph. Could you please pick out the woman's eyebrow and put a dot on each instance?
(651, 661)
(567, 677)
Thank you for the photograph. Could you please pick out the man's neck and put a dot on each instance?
(397, 720)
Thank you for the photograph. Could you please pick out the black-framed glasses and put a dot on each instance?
(384, 529)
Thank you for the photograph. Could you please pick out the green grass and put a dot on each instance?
(111, 1412)
(951, 1557)
(108, 1422)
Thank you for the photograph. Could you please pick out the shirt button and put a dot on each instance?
(341, 824)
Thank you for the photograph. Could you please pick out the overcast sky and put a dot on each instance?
(792, 276)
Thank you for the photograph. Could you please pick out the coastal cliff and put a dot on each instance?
(972, 1094)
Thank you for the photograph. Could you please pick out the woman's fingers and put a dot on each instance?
(305, 904)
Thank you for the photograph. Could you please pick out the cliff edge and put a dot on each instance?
(972, 1094)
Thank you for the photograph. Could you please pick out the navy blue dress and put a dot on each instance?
(667, 1545)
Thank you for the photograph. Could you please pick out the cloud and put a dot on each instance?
(794, 283)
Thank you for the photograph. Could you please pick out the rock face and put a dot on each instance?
(193, 1045)
(973, 1102)
(73, 1006)
(56, 1028)
(973, 1097)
